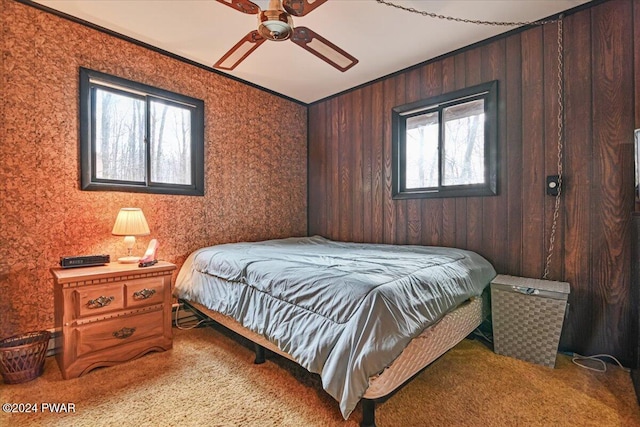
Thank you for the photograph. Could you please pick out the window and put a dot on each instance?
(138, 138)
(446, 146)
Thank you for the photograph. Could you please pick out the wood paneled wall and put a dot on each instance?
(350, 166)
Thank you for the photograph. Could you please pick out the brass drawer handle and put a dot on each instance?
(144, 294)
(124, 333)
(99, 302)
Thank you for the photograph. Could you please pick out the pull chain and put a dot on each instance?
(556, 208)
(464, 20)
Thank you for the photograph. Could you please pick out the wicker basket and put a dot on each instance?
(527, 317)
(22, 356)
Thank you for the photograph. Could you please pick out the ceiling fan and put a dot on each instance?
(276, 23)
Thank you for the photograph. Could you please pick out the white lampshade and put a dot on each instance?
(130, 222)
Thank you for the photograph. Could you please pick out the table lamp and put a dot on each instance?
(130, 223)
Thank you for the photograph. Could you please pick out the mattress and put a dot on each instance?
(421, 351)
(432, 343)
(342, 310)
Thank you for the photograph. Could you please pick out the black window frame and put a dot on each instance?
(89, 81)
(486, 91)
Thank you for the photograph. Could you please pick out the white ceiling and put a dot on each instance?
(383, 39)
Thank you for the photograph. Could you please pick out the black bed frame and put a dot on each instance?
(368, 405)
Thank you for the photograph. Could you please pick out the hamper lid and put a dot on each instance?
(525, 282)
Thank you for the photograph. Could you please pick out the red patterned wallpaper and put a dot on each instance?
(255, 165)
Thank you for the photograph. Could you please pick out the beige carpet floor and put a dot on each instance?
(208, 379)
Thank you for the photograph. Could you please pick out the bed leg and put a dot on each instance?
(259, 354)
(368, 413)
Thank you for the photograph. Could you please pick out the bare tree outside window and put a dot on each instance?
(138, 138)
(170, 144)
(464, 144)
(422, 151)
(119, 137)
(446, 146)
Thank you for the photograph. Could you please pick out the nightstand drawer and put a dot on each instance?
(146, 291)
(98, 336)
(110, 314)
(92, 301)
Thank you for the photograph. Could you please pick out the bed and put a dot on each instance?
(365, 317)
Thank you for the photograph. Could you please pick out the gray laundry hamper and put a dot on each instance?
(527, 317)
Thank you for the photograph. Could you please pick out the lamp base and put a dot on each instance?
(129, 260)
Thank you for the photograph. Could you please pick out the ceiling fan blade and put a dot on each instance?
(240, 51)
(244, 6)
(323, 48)
(301, 7)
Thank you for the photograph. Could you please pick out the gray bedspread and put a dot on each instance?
(342, 310)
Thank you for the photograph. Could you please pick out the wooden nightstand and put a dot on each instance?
(110, 314)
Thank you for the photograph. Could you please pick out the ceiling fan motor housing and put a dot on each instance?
(275, 24)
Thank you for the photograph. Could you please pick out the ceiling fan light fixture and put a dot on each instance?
(275, 25)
